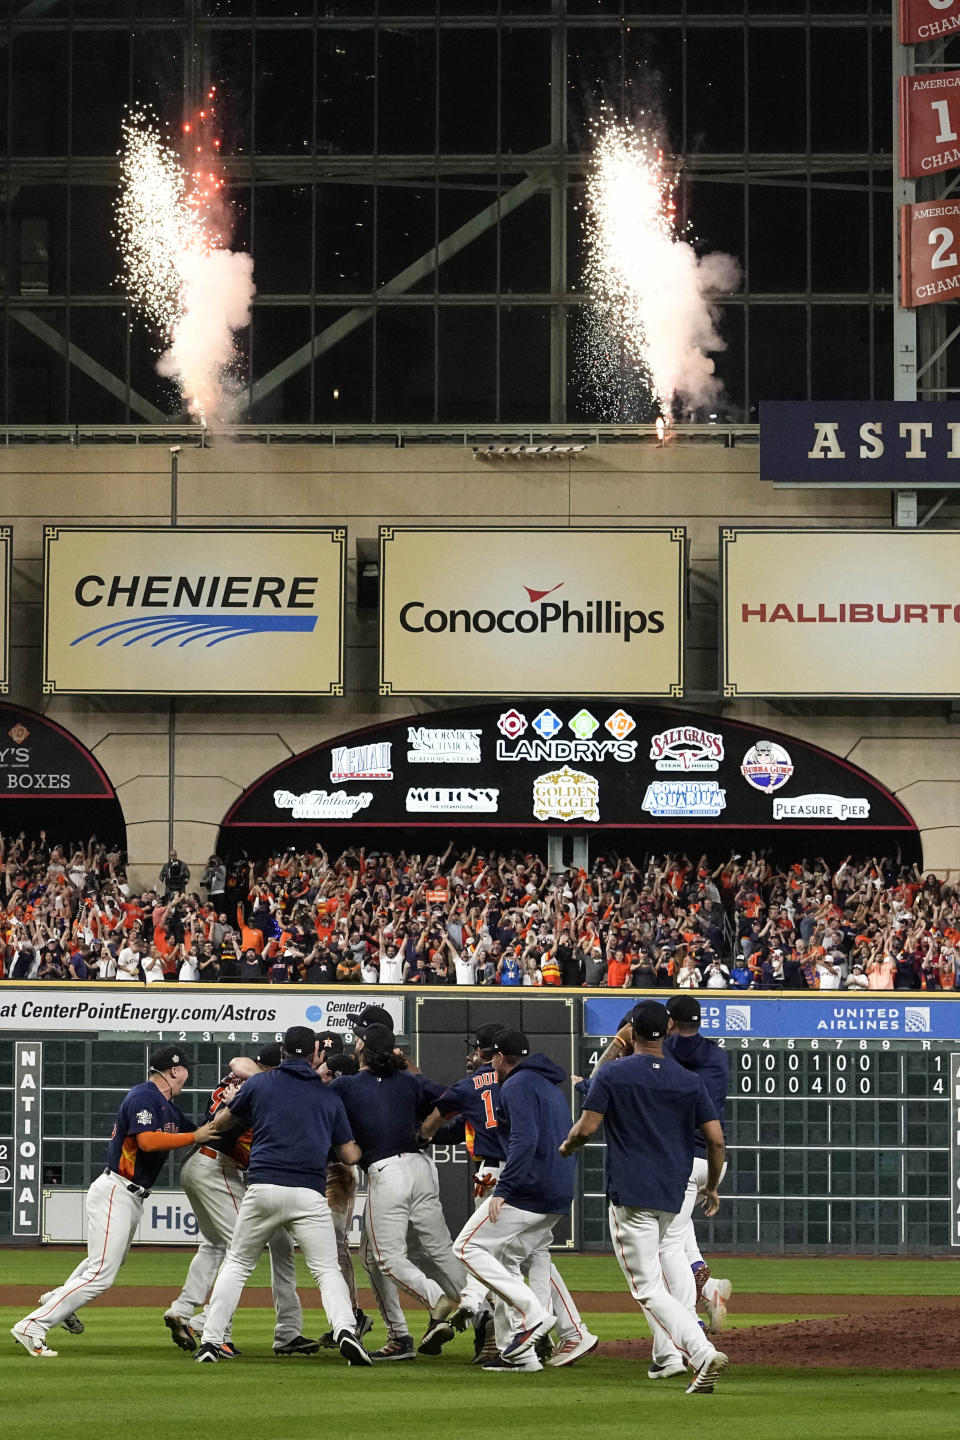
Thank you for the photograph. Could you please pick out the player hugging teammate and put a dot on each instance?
(276, 1160)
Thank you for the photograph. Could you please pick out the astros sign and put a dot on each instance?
(529, 611)
(193, 611)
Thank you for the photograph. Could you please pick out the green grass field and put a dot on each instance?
(123, 1375)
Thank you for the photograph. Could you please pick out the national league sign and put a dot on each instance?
(929, 115)
(929, 252)
(922, 21)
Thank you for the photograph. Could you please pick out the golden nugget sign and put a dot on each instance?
(841, 612)
(191, 611)
(531, 611)
(6, 564)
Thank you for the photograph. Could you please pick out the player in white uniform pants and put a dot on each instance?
(385, 1103)
(147, 1126)
(213, 1179)
(650, 1107)
(476, 1098)
(296, 1121)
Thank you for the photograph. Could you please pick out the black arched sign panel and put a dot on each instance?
(583, 765)
(50, 781)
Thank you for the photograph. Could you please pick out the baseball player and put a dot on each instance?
(533, 1190)
(148, 1125)
(649, 1107)
(385, 1103)
(341, 1195)
(696, 1052)
(212, 1178)
(477, 1097)
(295, 1120)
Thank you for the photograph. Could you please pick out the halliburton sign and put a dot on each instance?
(531, 611)
(841, 612)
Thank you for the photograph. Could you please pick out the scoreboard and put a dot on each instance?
(846, 1142)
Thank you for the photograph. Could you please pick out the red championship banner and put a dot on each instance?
(924, 20)
(929, 121)
(929, 252)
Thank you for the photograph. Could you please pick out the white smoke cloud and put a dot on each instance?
(680, 318)
(217, 295)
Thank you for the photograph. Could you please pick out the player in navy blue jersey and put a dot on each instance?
(295, 1121)
(477, 1098)
(650, 1107)
(514, 1226)
(705, 1058)
(386, 1103)
(148, 1125)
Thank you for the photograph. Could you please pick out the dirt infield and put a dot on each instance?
(870, 1332)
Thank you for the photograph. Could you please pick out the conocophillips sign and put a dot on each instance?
(193, 611)
(840, 612)
(530, 611)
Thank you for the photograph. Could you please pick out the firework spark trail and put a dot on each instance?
(177, 269)
(651, 311)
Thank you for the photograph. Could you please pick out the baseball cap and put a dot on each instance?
(684, 1009)
(299, 1040)
(512, 1042)
(166, 1057)
(270, 1055)
(330, 1040)
(370, 1015)
(342, 1064)
(379, 1037)
(485, 1037)
(650, 1020)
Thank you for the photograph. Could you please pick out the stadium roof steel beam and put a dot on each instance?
(86, 363)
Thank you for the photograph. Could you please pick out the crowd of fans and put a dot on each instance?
(370, 917)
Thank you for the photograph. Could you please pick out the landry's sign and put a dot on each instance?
(6, 563)
(193, 611)
(581, 763)
(841, 612)
(531, 611)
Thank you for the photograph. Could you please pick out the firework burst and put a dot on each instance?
(650, 321)
(172, 228)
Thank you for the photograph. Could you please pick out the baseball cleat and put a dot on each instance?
(462, 1317)
(69, 1322)
(568, 1352)
(521, 1340)
(180, 1332)
(33, 1339)
(299, 1345)
(715, 1295)
(666, 1372)
(436, 1335)
(207, 1354)
(524, 1366)
(399, 1348)
(364, 1324)
(229, 1351)
(708, 1374)
(352, 1349)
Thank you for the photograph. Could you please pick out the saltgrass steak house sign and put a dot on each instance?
(532, 611)
(193, 611)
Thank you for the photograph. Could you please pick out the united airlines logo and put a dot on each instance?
(738, 1017)
(185, 629)
(916, 1019)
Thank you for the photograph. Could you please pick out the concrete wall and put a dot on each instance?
(217, 747)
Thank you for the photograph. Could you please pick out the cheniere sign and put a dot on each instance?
(840, 612)
(532, 611)
(887, 445)
(193, 610)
